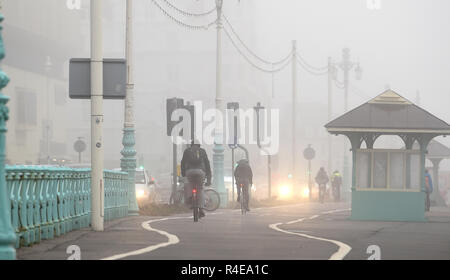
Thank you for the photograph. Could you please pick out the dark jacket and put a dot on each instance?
(322, 177)
(243, 172)
(195, 157)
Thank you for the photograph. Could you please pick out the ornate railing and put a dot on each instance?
(51, 201)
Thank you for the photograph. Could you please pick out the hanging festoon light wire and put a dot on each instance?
(260, 68)
(182, 22)
(189, 14)
(288, 56)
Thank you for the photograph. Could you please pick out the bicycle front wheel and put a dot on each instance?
(212, 200)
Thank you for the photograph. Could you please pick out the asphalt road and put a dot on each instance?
(304, 231)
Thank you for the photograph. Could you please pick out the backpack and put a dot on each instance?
(195, 159)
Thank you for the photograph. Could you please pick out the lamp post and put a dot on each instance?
(97, 180)
(128, 160)
(346, 65)
(294, 110)
(257, 108)
(218, 156)
(233, 106)
(7, 236)
(48, 67)
(331, 77)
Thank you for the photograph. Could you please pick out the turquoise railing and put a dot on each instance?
(47, 202)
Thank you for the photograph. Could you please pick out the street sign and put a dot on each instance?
(79, 146)
(114, 78)
(309, 153)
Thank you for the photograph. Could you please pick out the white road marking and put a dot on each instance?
(295, 221)
(336, 211)
(172, 239)
(340, 254)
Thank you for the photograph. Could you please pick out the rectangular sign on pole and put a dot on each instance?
(114, 78)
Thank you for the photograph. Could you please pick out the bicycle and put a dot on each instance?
(322, 190)
(211, 197)
(243, 197)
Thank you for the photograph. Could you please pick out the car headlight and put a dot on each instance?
(140, 193)
(285, 191)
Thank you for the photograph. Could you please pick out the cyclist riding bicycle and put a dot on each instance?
(322, 180)
(195, 166)
(244, 177)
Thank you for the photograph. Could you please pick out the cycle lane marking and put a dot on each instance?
(172, 239)
(343, 249)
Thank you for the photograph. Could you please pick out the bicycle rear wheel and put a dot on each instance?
(195, 206)
(243, 210)
(212, 200)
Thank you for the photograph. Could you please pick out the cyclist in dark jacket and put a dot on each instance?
(195, 166)
(244, 177)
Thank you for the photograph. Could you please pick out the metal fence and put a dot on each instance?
(47, 202)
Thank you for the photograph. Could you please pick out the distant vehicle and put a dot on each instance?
(145, 185)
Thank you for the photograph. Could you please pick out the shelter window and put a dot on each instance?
(388, 169)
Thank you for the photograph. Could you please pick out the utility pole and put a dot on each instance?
(218, 156)
(346, 65)
(48, 67)
(128, 160)
(97, 190)
(258, 108)
(294, 110)
(235, 107)
(331, 73)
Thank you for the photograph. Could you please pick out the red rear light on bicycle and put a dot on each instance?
(194, 190)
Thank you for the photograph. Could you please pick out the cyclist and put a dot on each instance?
(336, 182)
(195, 166)
(322, 180)
(244, 176)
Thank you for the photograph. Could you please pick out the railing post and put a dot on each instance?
(7, 236)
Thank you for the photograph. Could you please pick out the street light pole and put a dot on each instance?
(346, 65)
(257, 108)
(218, 156)
(330, 109)
(48, 67)
(294, 109)
(97, 190)
(128, 160)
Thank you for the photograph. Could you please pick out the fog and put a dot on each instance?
(404, 46)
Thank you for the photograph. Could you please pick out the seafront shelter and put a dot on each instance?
(388, 184)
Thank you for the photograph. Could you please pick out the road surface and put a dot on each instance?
(295, 232)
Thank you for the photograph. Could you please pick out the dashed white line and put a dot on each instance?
(340, 254)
